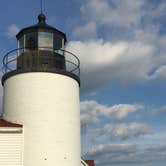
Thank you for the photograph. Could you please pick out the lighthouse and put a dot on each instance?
(41, 114)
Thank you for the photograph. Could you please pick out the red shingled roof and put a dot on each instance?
(90, 162)
(4, 123)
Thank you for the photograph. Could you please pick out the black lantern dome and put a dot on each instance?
(41, 48)
(56, 38)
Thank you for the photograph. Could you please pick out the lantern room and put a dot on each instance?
(41, 48)
(41, 36)
(36, 45)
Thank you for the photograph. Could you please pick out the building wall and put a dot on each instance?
(47, 105)
(11, 148)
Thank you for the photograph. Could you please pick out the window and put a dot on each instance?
(58, 42)
(31, 40)
(21, 45)
(21, 42)
(45, 40)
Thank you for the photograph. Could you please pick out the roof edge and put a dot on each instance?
(4, 123)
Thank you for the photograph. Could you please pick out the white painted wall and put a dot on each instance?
(47, 105)
(11, 147)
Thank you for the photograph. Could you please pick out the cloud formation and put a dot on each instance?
(114, 12)
(127, 154)
(12, 30)
(91, 111)
(86, 31)
(119, 41)
(123, 131)
(102, 62)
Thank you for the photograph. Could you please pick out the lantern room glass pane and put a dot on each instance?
(45, 40)
(58, 42)
(21, 45)
(21, 42)
(31, 40)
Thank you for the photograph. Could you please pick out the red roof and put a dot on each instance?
(90, 162)
(4, 123)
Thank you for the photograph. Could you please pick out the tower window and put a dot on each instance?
(21, 45)
(58, 42)
(45, 40)
(31, 40)
(21, 42)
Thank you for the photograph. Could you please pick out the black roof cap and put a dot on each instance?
(41, 25)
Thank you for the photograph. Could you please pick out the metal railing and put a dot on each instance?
(71, 62)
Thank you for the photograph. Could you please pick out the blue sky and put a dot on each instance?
(121, 45)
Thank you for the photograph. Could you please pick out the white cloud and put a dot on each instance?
(85, 32)
(102, 148)
(104, 62)
(120, 13)
(132, 50)
(123, 131)
(121, 111)
(12, 30)
(112, 18)
(159, 110)
(127, 154)
(91, 111)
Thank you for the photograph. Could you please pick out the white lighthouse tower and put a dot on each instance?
(41, 99)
